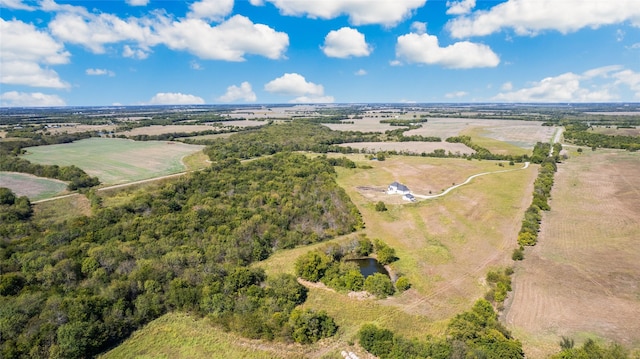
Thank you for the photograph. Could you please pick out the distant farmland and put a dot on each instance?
(412, 147)
(116, 161)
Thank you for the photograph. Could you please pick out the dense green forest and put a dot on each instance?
(76, 288)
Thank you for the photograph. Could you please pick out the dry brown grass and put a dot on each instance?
(582, 279)
(445, 245)
(612, 131)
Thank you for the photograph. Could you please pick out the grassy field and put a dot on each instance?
(35, 188)
(582, 279)
(116, 161)
(62, 209)
(178, 335)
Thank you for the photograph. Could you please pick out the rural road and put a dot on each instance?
(556, 139)
(526, 165)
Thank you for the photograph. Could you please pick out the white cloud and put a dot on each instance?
(24, 50)
(360, 12)
(456, 94)
(16, 4)
(595, 85)
(99, 72)
(96, 31)
(296, 85)
(507, 86)
(360, 72)
(137, 2)
(175, 98)
(419, 27)
(345, 43)
(33, 99)
(214, 10)
(230, 41)
(235, 93)
(424, 49)
(529, 17)
(195, 66)
(139, 54)
(460, 7)
(629, 78)
(293, 84)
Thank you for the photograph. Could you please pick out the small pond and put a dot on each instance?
(369, 266)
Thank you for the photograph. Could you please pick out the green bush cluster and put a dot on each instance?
(500, 283)
(591, 350)
(328, 265)
(528, 235)
(473, 334)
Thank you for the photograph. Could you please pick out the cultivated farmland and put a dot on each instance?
(35, 188)
(116, 161)
(582, 279)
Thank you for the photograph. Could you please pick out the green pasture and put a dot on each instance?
(480, 137)
(114, 160)
(179, 335)
(35, 188)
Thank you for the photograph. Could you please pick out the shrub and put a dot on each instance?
(402, 284)
(309, 326)
(379, 285)
(518, 254)
(380, 206)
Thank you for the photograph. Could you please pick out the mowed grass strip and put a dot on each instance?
(35, 188)
(179, 335)
(114, 160)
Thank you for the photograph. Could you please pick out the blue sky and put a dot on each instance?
(136, 52)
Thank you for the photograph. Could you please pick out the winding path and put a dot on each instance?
(526, 165)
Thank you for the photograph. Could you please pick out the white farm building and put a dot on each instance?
(398, 188)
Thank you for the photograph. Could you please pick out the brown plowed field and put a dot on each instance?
(582, 279)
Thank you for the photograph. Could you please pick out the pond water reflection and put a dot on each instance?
(369, 266)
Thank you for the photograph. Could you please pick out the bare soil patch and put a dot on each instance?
(582, 279)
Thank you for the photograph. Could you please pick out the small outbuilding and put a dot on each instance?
(409, 197)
